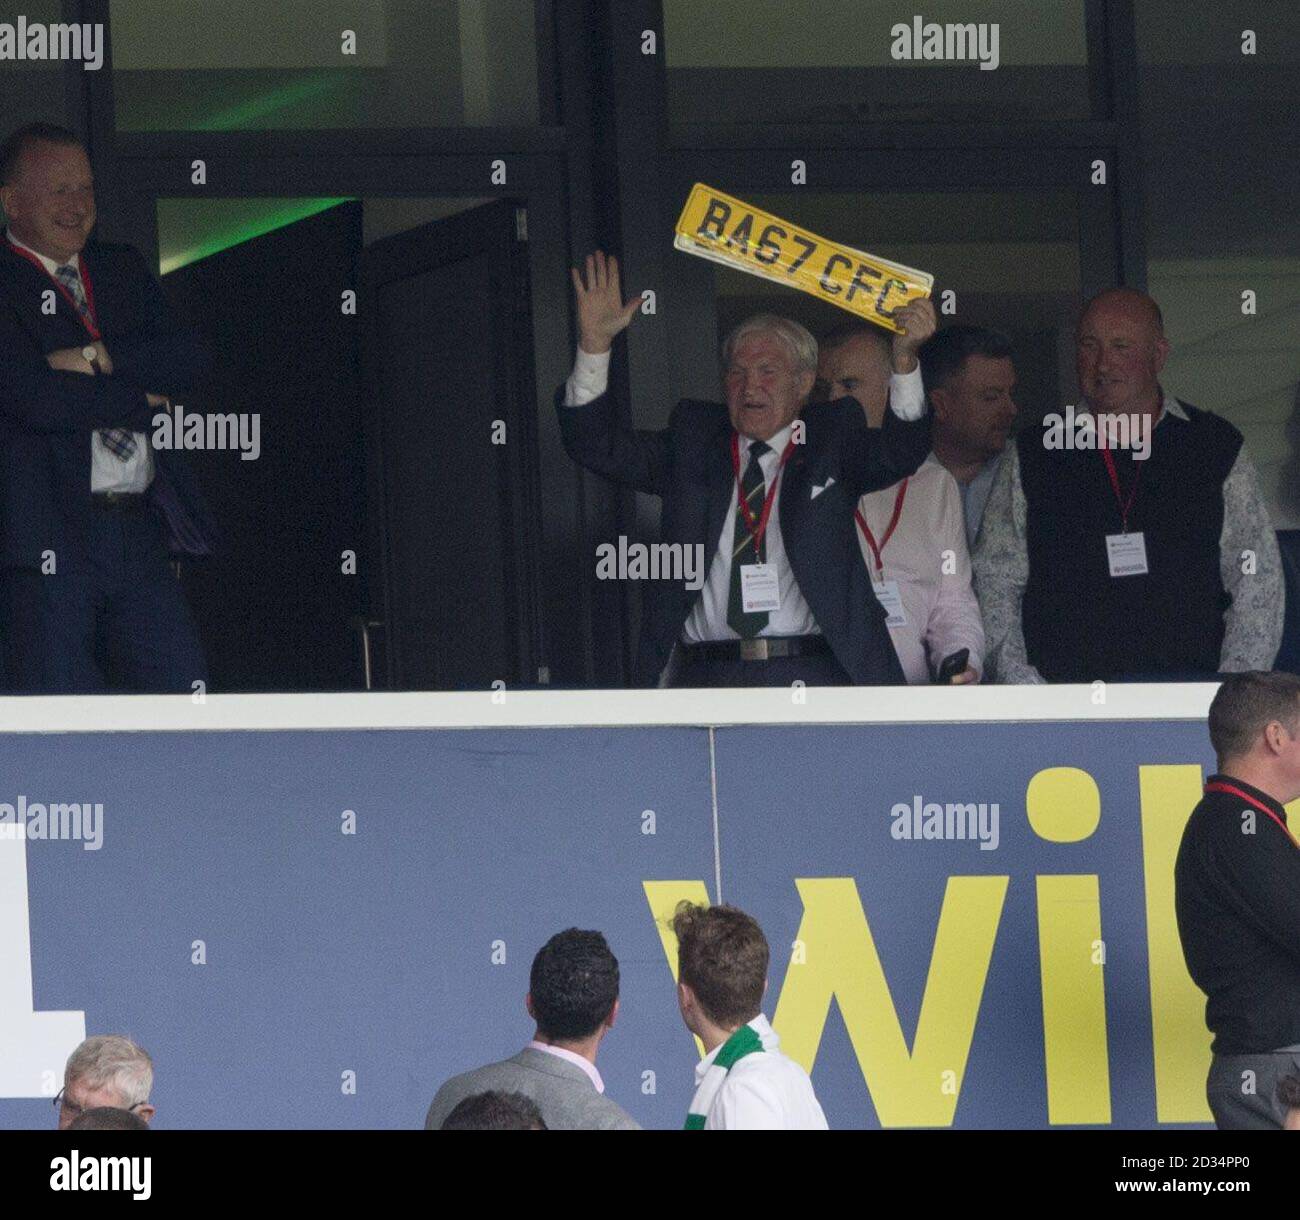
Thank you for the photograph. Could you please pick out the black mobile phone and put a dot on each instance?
(953, 664)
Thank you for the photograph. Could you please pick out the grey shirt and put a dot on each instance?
(1252, 623)
(562, 1091)
(975, 495)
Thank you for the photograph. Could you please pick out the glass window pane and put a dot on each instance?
(246, 65)
(770, 61)
(191, 229)
(31, 90)
(1221, 184)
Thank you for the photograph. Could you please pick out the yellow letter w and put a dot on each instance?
(909, 1089)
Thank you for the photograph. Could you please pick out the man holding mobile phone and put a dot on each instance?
(912, 534)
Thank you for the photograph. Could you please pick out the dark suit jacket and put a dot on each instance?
(688, 464)
(47, 416)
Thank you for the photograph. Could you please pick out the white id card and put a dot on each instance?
(1127, 554)
(887, 595)
(759, 589)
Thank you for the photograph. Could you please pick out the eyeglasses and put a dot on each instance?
(62, 1103)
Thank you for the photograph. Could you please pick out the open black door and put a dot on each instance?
(277, 607)
(451, 433)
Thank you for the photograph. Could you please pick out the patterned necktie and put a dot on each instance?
(743, 549)
(118, 441)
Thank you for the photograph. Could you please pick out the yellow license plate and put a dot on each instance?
(726, 230)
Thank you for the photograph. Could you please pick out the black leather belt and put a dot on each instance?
(760, 648)
(119, 501)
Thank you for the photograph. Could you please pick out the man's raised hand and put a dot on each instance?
(602, 312)
(918, 321)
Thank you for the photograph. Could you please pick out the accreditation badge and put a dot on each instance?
(1127, 554)
(888, 595)
(759, 588)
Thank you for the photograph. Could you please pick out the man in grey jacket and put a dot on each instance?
(573, 997)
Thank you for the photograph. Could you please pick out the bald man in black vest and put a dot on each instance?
(1129, 539)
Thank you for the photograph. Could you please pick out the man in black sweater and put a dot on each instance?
(1237, 894)
(1134, 507)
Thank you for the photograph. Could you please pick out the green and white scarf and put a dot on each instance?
(745, 1041)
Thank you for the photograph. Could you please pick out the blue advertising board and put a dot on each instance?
(971, 919)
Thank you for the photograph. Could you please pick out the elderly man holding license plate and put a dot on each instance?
(765, 484)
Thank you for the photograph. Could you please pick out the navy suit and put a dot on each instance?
(688, 464)
(110, 577)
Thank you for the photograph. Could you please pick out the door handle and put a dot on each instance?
(364, 626)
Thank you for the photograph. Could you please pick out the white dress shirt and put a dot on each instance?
(765, 1091)
(708, 617)
(108, 472)
(942, 613)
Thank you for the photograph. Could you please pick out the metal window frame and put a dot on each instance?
(649, 152)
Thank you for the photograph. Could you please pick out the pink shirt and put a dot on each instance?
(577, 1060)
(942, 613)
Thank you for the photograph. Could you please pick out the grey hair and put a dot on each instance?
(798, 339)
(111, 1061)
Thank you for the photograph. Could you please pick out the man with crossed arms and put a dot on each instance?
(90, 510)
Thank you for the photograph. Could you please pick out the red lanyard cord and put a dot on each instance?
(757, 528)
(1125, 506)
(91, 323)
(878, 549)
(1233, 790)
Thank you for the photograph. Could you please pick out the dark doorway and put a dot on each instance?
(277, 606)
(451, 435)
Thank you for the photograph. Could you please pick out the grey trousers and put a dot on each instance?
(1242, 1090)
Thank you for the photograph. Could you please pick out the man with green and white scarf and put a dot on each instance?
(743, 1082)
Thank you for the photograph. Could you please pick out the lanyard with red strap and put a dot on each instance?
(1125, 506)
(757, 528)
(90, 323)
(1217, 785)
(878, 549)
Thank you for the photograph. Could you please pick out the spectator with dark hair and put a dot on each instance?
(573, 998)
(1237, 897)
(911, 533)
(1288, 1094)
(107, 1118)
(1127, 538)
(743, 1082)
(494, 1111)
(969, 380)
